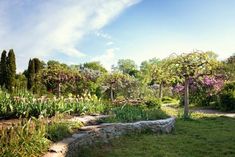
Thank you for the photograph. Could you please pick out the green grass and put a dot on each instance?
(204, 136)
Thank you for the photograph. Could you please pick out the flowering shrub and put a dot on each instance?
(203, 90)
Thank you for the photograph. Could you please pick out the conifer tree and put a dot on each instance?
(31, 73)
(10, 70)
(37, 65)
(3, 68)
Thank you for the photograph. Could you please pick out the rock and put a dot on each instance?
(103, 133)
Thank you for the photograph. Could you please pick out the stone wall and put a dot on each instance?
(104, 133)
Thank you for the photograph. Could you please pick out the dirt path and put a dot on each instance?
(213, 111)
(202, 110)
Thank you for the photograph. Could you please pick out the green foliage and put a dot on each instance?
(127, 66)
(57, 129)
(95, 66)
(58, 77)
(30, 74)
(10, 70)
(227, 97)
(129, 113)
(24, 139)
(28, 105)
(20, 84)
(153, 102)
(3, 68)
(229, 66)
(118, 84)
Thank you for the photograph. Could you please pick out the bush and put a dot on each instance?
(153, 102)
(227, 97)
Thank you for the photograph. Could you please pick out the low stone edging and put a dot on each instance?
(103, 133)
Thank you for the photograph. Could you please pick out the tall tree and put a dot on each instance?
(3, 67)
(10, 70)
(37, 65)
(30, 74)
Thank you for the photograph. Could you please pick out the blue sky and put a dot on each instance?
(99, 30)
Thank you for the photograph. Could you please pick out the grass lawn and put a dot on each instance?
(199, 137)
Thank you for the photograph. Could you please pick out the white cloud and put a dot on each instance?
(109, 43)
(107, 59)
(41, 28)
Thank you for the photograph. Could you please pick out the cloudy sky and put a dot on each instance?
(78, 31)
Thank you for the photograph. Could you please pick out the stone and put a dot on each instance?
(103, 133)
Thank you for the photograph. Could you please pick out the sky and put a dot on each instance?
(78, 31)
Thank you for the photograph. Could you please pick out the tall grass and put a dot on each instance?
(26, 138)
(32, 137)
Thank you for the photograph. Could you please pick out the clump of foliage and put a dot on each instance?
(57, 129)
(153, 102)
(24, 139)
(129, 113)
(28, 105)
(227, 97)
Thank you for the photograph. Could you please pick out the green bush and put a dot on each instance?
(153, 102)
(227, 97)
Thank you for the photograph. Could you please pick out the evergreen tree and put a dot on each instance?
(37, 65)
(30, 75)
(3, 68)
(10, 70)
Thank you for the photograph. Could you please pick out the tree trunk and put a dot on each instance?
(160, 90)
(186, 98)
(111, 93)
(59, 89)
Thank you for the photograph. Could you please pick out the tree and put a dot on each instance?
(55, 75)
(10, 70)
(229, 66)
(3, 67)
(118, 84)
(191, 65)
(127, 66)
(30, 74)
(34, 67)
(38, 65)
(155, 72)
(95, 66)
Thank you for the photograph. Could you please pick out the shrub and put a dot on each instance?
(227, 97)
(153, 102)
